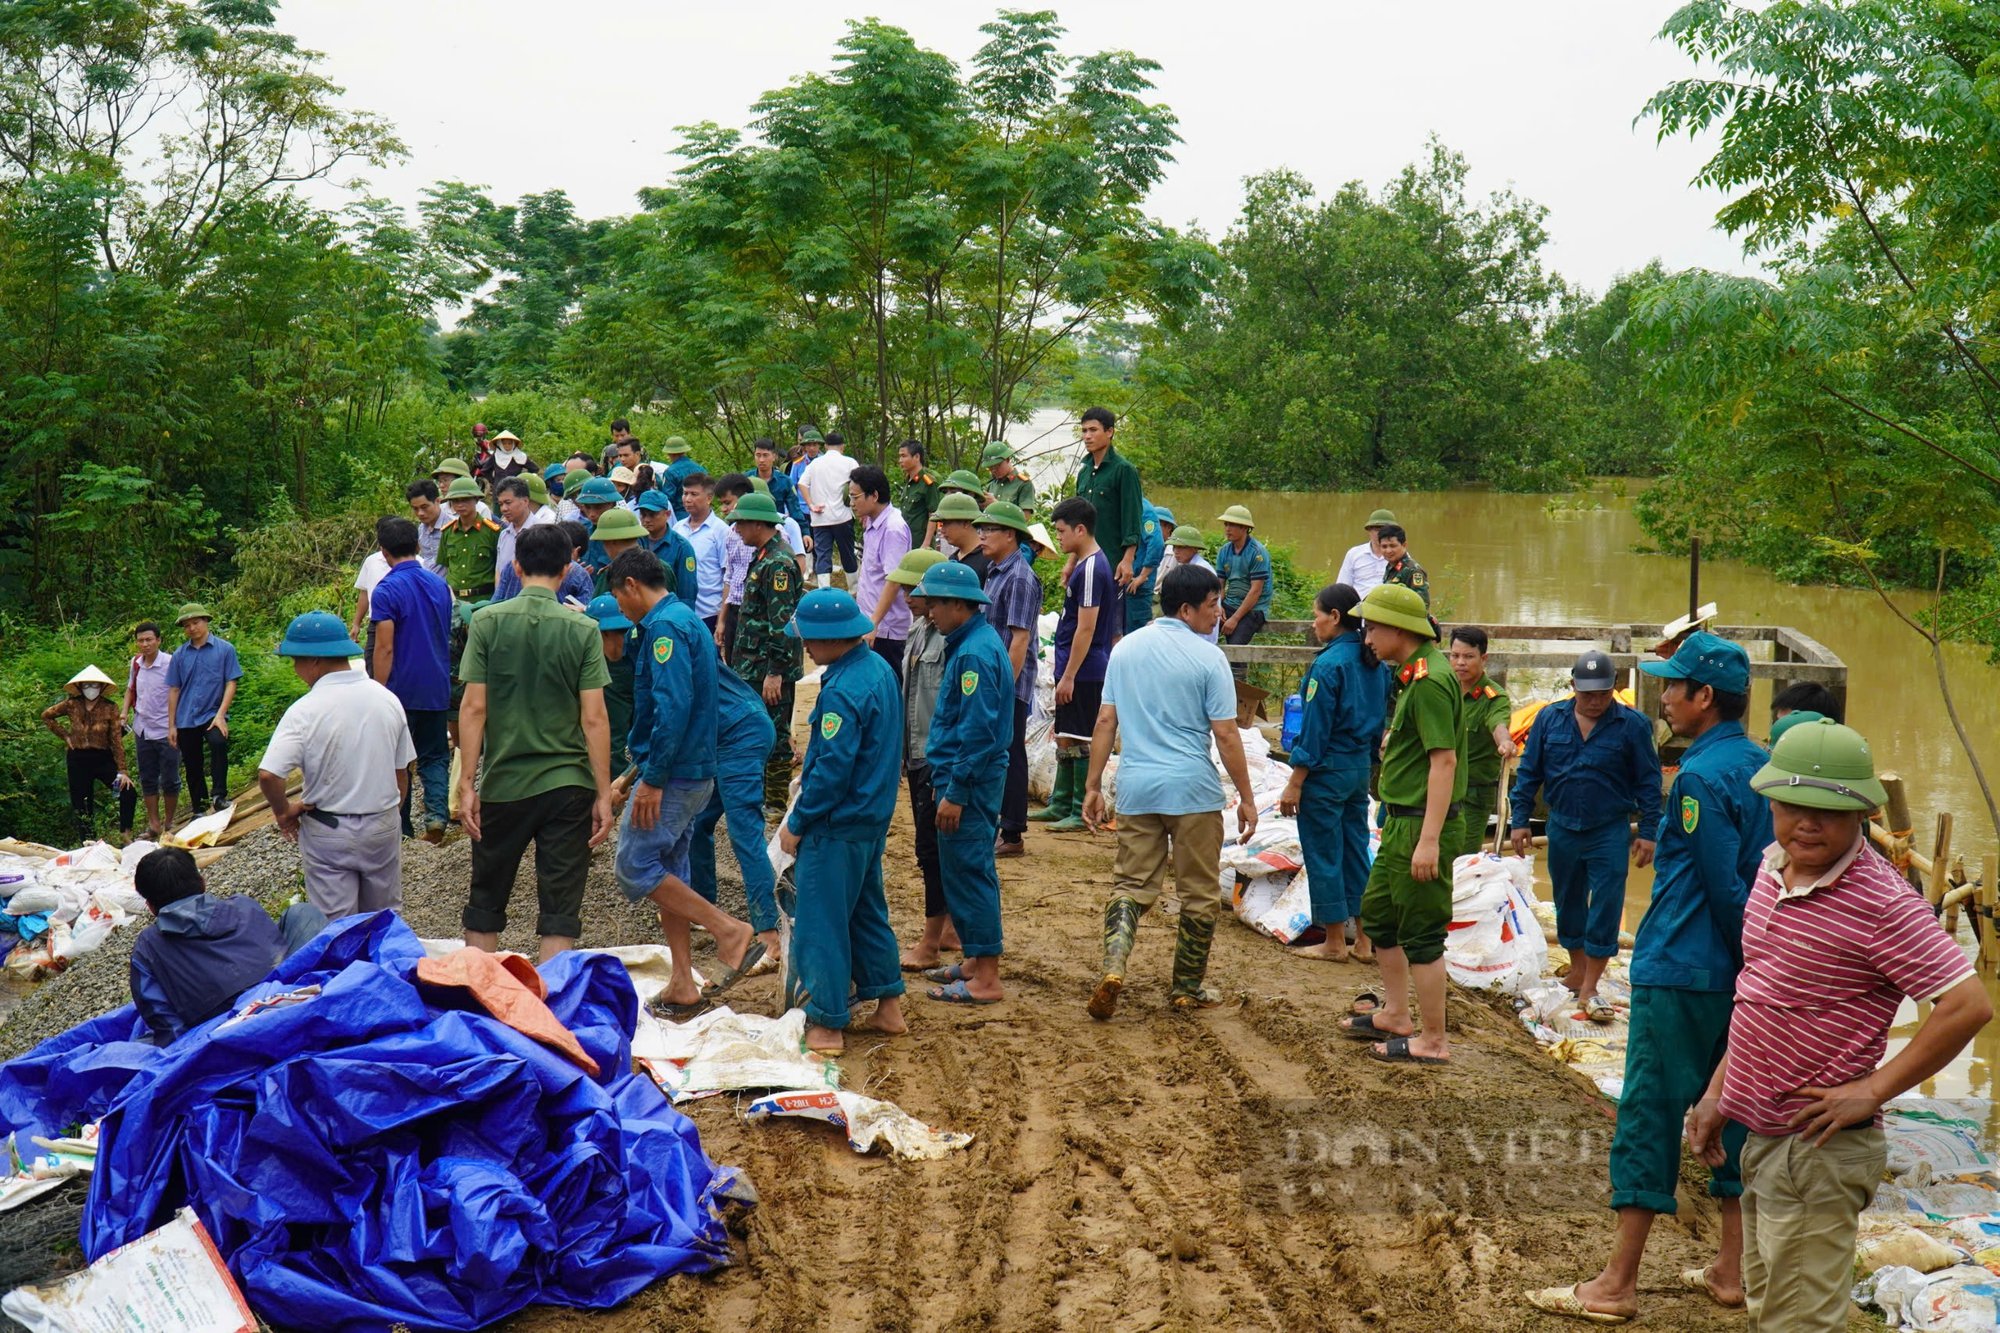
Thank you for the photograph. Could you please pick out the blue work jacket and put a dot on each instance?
(847, 789)
(1346, 707)
(673, 695)
(1588, 782)
(973, 724)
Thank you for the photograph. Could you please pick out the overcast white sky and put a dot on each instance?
(1540, 95)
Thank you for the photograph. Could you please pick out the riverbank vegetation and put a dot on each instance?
(217, 364)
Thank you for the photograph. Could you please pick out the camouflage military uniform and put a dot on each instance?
(1411, 575)
(466, 552)
(771, 592)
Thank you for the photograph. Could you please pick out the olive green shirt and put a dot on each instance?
(1429, 715)
(1486, 707)
(466, 552)
(535, 657)
(1016, 490)
(917, 499)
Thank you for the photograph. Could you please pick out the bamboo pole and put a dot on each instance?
(1940, 877)
(1989, 895)
(1897, 807)
(1888, 842)
(1954, 896)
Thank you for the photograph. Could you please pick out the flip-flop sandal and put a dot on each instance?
(1361, 1027)
(1565, 1302)
(731, 975)
(667, 1009)
(1599, 1010)
(1696, 1279)
(1367, 997)
(948, 973)
(956, 993)
(1396, 1051)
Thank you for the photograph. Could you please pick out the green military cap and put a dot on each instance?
(1823, 766)
(1381, 518)
(451, 467)
(957, 507)
(997, 452)
(465, 488)
(572, 479)
(759, 485)
(675, 445)
(1393, 604)
(810, 435)
(1237, 514)
(618, 525)
(192, 611)
(1001, 514)
(963, 480)
(910, 570)
(538, 490)
(755, 508)
(1186, 534)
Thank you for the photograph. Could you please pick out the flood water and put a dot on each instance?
(1516, 559)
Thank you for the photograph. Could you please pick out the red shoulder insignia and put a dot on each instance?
(1417, 668)
(1491, 693)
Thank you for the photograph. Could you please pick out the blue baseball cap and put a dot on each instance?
(828, 613)
(1165, 515)
(318, 634)
(1706, 659)
(652, 502)
(604, 610)
(955, 580)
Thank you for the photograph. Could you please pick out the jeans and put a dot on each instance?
(191, 741)
(739, 798)
(825, 539)
(433, 744)
(159, 766)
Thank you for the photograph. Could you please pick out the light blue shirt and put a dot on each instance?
(1168, 685)
(711, 558)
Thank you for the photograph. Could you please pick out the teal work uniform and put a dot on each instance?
(842, 946)
(1345, 705)
(1684, 963)
(972, 729)
(1238, 569)
(677, 554)
(1145, 566)
(743, 735)
(669, 483)
(1399, 911)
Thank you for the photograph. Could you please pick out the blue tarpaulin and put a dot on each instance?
(379, 1154)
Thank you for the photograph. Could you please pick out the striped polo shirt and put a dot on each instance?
(1825, 967)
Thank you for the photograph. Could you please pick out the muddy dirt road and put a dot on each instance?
(1244, 1168)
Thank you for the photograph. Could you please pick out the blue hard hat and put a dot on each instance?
(604, 610)
(597, 491)
(828, 613)
(955, 580)
(653, 502)
(318, 634)
(1706, 659)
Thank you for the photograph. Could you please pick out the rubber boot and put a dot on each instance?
(1121, 928)
(1072, 820)
(1197, 936)
(1062, 796)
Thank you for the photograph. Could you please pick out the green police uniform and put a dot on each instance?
(771, 592)
(917, 499)
(1411, 575)
(1398, 910)
(467, 549)
(1486, 706)
(1016, 490)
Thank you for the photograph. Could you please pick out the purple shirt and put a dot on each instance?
(885, 540)
(418, 603)
(149, 697)
(1016, 606)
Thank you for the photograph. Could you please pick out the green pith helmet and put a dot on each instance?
(1186, 534)
(675, 445)
(810, 435)
(962, 480)
(957, 507)
(1001, 514)
(538, 490)
(1381, 518)
(997, 452)
(451, 467)
(1793, 719)
(618, 525)
(192, 611)
(1393, 604)
(465, 488)
(1236, 514)
(1824, 766)
(909, 571)
(573, 481)
(756, 507)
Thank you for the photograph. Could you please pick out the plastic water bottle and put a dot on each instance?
(1295, 713)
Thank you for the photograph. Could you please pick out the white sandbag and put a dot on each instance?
(120, 898)
(1288, 917)
(865, 1121)
(1494, 941)
(1904, 1245)
(168, 1281)
(1960, 1299)
(1041, 757)
(134, 853)
(34, 899)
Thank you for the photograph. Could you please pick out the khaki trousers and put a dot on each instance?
(1801, 1205)
(1195, 843)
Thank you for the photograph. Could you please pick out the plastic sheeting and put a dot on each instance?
(382, 1152)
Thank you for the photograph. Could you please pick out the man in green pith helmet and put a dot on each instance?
(680, 467)
(1005, 480)
(1407, 905)
(963, 482)
(468, 545)
(768, 659)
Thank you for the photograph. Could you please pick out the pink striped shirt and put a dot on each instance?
(1825, 968)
